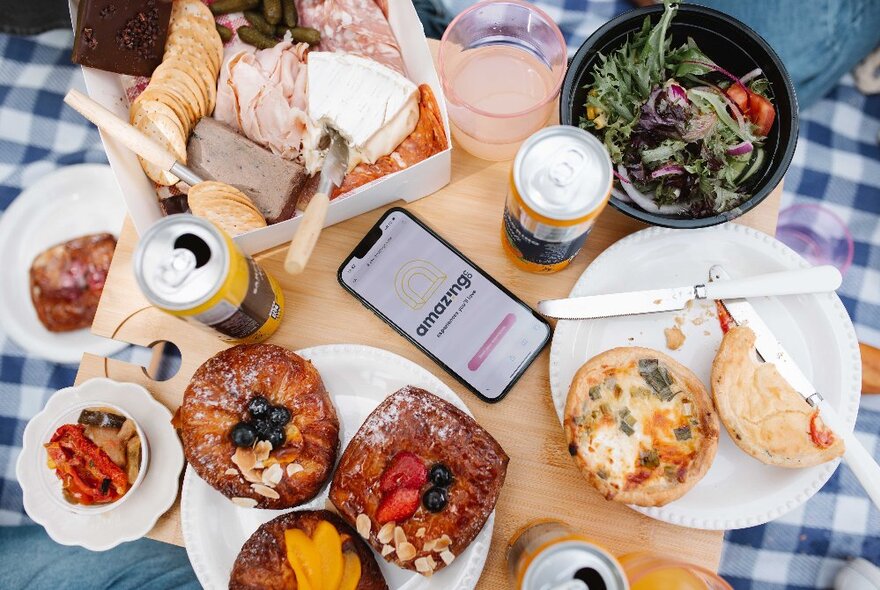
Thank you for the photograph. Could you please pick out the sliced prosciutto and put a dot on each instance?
(353, 26)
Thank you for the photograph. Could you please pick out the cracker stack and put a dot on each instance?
(183, 89)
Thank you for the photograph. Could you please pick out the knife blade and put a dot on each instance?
(769, 349)
(818, 279)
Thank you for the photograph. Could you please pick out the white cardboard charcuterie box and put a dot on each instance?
(409, 184)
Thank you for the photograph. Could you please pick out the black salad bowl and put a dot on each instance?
(733, 46)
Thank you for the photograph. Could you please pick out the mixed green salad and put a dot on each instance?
(685, 135)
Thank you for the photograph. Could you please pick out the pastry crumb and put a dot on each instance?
(674, 337)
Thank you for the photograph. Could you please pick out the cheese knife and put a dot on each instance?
(819, 279)
(332, 174)
(863, 465)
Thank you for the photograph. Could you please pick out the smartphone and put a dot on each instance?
(444, 304)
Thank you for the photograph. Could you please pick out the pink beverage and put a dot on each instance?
(501, 65)
(506, 81)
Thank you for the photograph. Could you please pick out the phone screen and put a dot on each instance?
(440, 301)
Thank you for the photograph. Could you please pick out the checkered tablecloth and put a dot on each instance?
(837, 163)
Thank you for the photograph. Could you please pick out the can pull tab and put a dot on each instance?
(567, 167)
(571, 585)
(176, 270)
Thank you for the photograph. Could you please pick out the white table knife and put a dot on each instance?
(819, 279)
(863, 465)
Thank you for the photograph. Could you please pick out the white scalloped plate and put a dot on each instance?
(358, 378)
(738, 491)
(131, 519)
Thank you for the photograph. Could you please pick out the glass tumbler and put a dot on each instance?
(501, 66)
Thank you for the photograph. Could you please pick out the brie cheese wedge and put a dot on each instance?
(373, 107)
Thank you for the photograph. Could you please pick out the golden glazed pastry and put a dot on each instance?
(640, 426)
(220, 396)
(764, 415)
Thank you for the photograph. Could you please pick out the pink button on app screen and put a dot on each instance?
(491, 342)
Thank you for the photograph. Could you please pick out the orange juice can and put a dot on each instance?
(559, 184)
(548, 554)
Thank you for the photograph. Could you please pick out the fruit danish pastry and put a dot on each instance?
(258, 425)
(306, 549)
(419, 480)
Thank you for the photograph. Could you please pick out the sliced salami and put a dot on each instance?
(353, 26)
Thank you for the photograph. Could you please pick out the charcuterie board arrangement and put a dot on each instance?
(375, 407)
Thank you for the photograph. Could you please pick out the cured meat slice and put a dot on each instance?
(262, 94)
(353, 26)
(428, 138)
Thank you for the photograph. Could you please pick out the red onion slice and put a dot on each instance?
(646, 202)
(741, 148)
(668, 170)
(751, 75)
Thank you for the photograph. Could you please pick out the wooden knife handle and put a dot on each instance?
(870, 368)
(307, 234)
(134, 139)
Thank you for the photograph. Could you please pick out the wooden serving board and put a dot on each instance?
(542, 480)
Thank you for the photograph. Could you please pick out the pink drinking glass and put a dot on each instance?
(501, 66)
(818, 234)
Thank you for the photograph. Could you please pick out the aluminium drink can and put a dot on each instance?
(188, 267)
(549, 555)
(560, 182)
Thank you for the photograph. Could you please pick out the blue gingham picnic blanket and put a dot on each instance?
(837, 163)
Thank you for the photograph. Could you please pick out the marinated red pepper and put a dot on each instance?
(87, 473)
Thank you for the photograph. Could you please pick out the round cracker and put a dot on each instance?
(199, 71)
(147, 107)
(204, 33)
(180, 68)
(189, 41)
(165, 131)
(170, 75)
(155, 93)
(231, 216)
(223, 190)
(187, 9)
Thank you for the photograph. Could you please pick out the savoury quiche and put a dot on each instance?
(640, 426)
(765, 416)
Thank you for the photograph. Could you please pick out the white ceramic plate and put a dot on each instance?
(65, 204)
(358, 378)
(129, 520)
(738, 491)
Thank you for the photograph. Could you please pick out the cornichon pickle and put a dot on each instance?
(290, 17)
(272, 11)
(257, 21)
(224, 32)
(251, 36)
(228, 6)
(302, 34)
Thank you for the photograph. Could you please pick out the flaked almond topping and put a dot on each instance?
(387, 550)
(442, 543)
(231, 471)
(431, 562)
(265, 491)
(386, 533)
(262, 450)
(294, 468)
(244, 459)
(364, 525)
(244, 502)
(428, 546)
(423, 566)
(272, 475)
(399, 536)
(421, 532)
(406, 551)
(447, 556)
